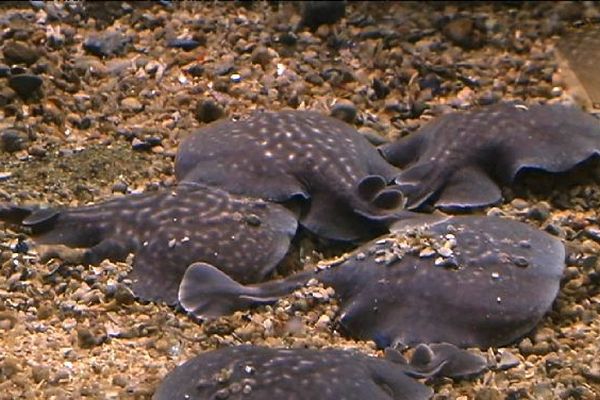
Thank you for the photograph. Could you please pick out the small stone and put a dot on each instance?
(288, 38)
(345, 110)
(4, 71)
(519, 204)
(507, 360)
(208, 111)
(12, 140)
(323, 322)
(260, 55)
(314, 78)
(7, 95)
(526, 347)
(488, 393)
(40, 373)
(7, 320)
(9, 367)
(119, 187)
(488, 97)
(462, 32)
(539, 212)
(120, 380)
(131, 104)
(25, 85)
(62, 375)
(16, 52)
(140, 145)
(124, 295)
(196, 70)
(86, 338)
(107, 44)
(37, 151)
(184, 44)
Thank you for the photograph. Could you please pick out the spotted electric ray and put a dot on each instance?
(579, 53)
(168, 230)
(253, 373)
(465, 280)
(456, 160)
(338, 176)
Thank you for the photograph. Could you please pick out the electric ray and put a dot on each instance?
(465, 280)
(339, 178)
(167, 231)
(459, 159)
(579, 53)
(247, 372)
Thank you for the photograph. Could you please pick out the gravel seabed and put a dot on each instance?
(103, 126)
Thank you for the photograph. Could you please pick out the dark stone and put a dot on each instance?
(25, 85)
(106, 45)
(288, 38)
(463, 32)
(119, 187)
(12, 140)
(6, 96)
(345, 111)
(84, 123)
(4, 70)
(223, 69)
(196, 70)
(317, 13)
(140, 145)
(184, 44)
(21, 247)
(20, 53)
(431, 81)
(208, 111)
(488, 97)
(380, 88)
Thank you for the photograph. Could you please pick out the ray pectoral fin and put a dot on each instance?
(400, 384)
(389, 199)
(116, 249)
(370, 186)
(335, 220)
(445, 359)
(467, 188)
(205, 291)
(404, 151)
(15, 214)
(420, 182)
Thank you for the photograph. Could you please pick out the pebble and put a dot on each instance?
(12, 140)
(107, 44)
(6, 95)
(131, 104)
(16, 52)
(208, 111)
(261, 55)
(488, 393)
(507, 360)
(4, 70)
(119, 187)
(40, 373)
(184, 44)
(345, 110)
(25, 85)
(462, 32)
(124, 295)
